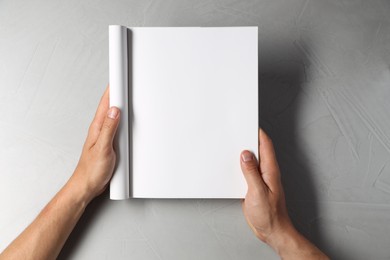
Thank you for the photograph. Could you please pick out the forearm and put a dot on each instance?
(46, 235)
(290, 244)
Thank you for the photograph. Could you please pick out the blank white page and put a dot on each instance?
(195, 107)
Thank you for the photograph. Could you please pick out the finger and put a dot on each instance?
(268, 164)
(109, 127)
(99, 118)
(250, 169)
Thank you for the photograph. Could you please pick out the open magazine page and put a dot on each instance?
(195, 106)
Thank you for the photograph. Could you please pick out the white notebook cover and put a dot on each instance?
(189, 108)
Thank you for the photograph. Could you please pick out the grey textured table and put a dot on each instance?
(325, 100)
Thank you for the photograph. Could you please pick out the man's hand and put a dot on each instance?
(265, 207)
(97, 160)
(45, 236)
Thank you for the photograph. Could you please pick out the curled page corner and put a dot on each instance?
(118, 78)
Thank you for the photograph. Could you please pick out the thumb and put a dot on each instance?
(109, 127)
(250, 168)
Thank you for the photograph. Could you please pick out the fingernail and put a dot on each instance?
(247, 156)
(113, 113)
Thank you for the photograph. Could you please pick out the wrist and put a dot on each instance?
(79, 191)
(288, 243)
(285, 241)
(278, 239)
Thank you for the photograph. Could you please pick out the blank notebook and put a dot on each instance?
(189, 106)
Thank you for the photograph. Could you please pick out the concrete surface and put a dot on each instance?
(324, 91)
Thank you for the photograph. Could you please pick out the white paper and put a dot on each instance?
(118, 63)
(195, 106)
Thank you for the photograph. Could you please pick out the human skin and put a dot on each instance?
(264, 206)
(46, 235)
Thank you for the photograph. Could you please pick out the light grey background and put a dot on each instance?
(324, 92)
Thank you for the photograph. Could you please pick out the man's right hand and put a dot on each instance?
(265, 207)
